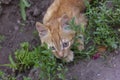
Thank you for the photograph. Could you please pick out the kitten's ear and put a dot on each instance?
(65, 19)
(41, 29)
(64, 22)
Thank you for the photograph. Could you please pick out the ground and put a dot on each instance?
(100, 69)
(15, 32)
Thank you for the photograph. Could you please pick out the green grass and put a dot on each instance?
(101, 30)
(101, 22)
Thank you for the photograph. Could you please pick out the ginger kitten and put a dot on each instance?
(53, 31)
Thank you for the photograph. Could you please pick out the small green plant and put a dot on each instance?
(25, 57)
(39, 57)
(23, 5)
(2, 38)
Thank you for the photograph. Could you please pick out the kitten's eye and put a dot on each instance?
(65, 44)
(52, 47)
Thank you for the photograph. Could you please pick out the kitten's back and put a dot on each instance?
(61, 7)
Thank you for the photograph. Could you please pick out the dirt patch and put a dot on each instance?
(11, 27)
(100, 69)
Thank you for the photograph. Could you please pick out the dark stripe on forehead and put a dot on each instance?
(56, 40)
(55, 34)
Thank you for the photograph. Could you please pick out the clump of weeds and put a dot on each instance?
(101, 34)
(40, 57)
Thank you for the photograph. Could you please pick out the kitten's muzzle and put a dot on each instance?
(60, 54)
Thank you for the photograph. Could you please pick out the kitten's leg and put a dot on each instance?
(81, 42)
(70, 57)
(81, 20)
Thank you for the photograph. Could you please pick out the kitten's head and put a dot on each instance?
(57, 35)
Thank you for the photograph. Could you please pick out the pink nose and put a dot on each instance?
(60, 54)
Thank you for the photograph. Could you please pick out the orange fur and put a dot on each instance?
(53, 31)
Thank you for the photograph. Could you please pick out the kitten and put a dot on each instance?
(53, 31)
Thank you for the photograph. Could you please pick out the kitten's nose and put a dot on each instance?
(60, 54)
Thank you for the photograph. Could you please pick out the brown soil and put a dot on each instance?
(12, 28)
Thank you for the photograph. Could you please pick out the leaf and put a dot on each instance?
(26, 3)
(22, 9)
(24, 45)
(13, 64)
(82, 28)
(8, 65)
(23, 5)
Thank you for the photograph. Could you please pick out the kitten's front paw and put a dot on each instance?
(70, 57)
(81, 42)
